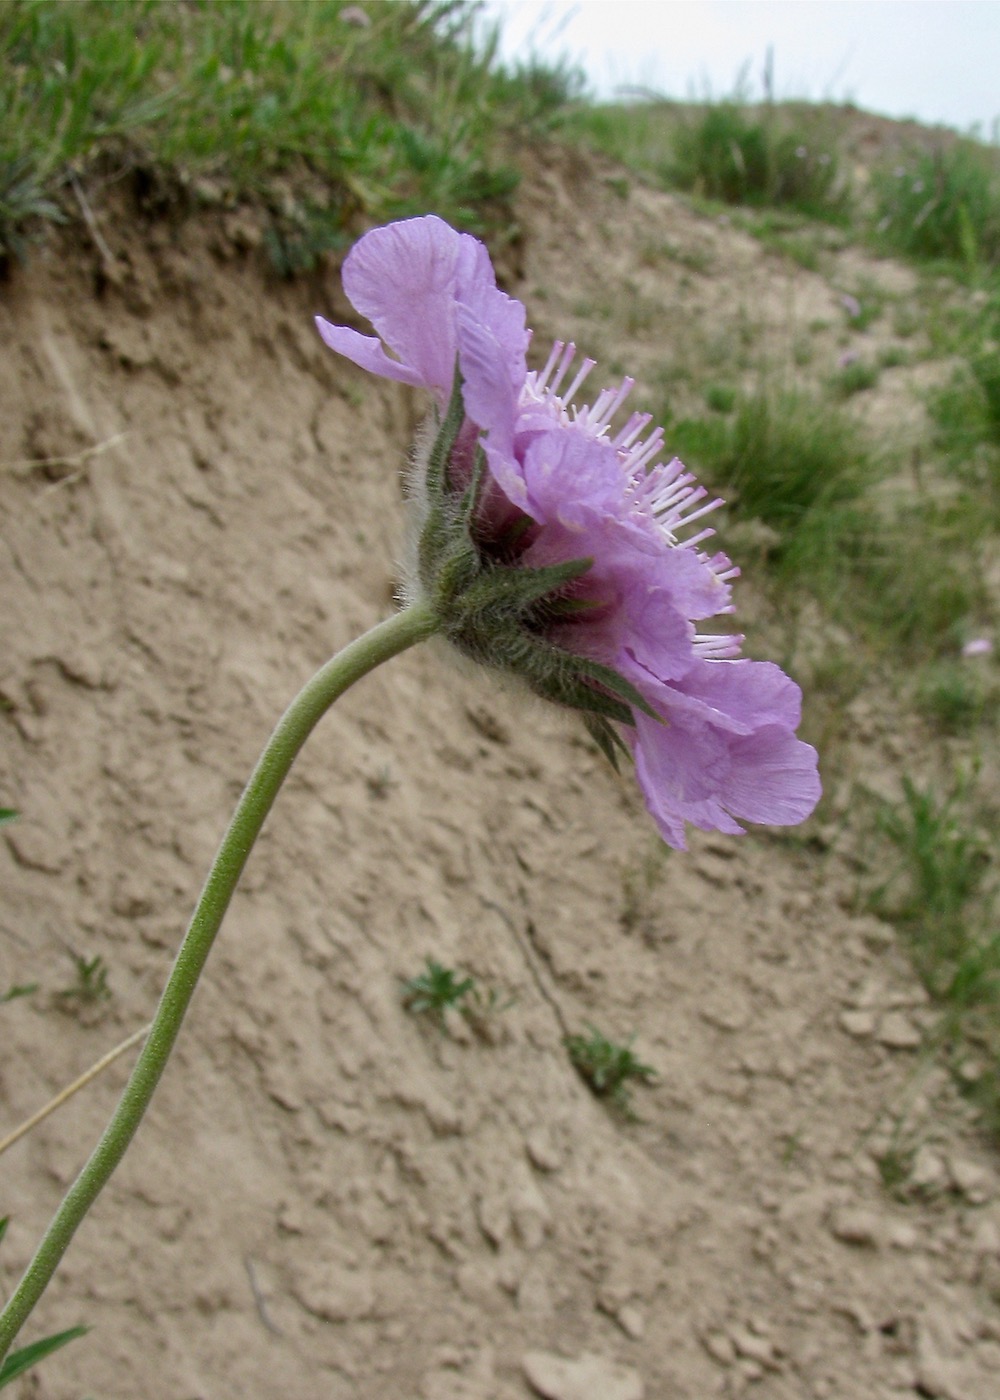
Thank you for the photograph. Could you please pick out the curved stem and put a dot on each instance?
(388, 638)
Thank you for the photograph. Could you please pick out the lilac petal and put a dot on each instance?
(367, 352)
(692, 584)
(708, 768)
(684, 761)
(656, 634)
(404, 278)
(773, 778)
(633, 639)
(563, 480)
(410, 279)
(741, 696)
(492, 378)
(506, 472)
(677, 769)
(570, 476)
(492, 335)
(575, 480)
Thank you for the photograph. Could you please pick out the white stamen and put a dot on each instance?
(543, 378)
(582, 373)
(718, 648)
(697, 539)
(631, 431)
(703, 510)
(564, 365)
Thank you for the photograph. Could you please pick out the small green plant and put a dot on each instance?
(804, 468)
(942, 864)
(664, 250)
(865, 305)
(894, 1167)
(967, 409)
(439, 989)
(608, 1068)
(296, 240)
(966, 412)
(854, 376)
(720, 398)
(22, 202)
(985, 366)
(26, 989)
(91, 983)
(952, 696)
(436, 990)
(907, 320)
(791, 1147)
(945, 912)
(641, 911)
(18, 1362)
(893, 357)
(7, 814)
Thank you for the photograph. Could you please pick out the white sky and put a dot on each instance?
(936, 60)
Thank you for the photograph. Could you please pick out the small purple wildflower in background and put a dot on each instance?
(848, 358)
(565, 550)
(851, 305)
(977, 646)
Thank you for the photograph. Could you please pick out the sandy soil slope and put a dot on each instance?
(331, 1197)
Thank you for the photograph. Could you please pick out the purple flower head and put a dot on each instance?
(565, 549)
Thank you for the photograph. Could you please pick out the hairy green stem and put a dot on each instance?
(385, 640)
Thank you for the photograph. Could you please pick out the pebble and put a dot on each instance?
(902, 1235)
(589, 1377)
(928, 1172)
(631, 1321)
(974, 1182)
(35, 848)
(729, 1011)
(858, 1023)
(542, 1151)
(897, 1032)
(986, 1239)
(334, 1293)
(719, 1347)
(854, 1225)
(530, 1214)
(870, 995)
(876, 935)
(494, 1217)
(754, 1348)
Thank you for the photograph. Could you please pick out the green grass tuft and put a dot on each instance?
(608, 1068)
(953, 696)
(729, 153)
(942, 204)
(940, 896)
(854, 377)
(941, 868)
(784, 456)
(319, 113)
